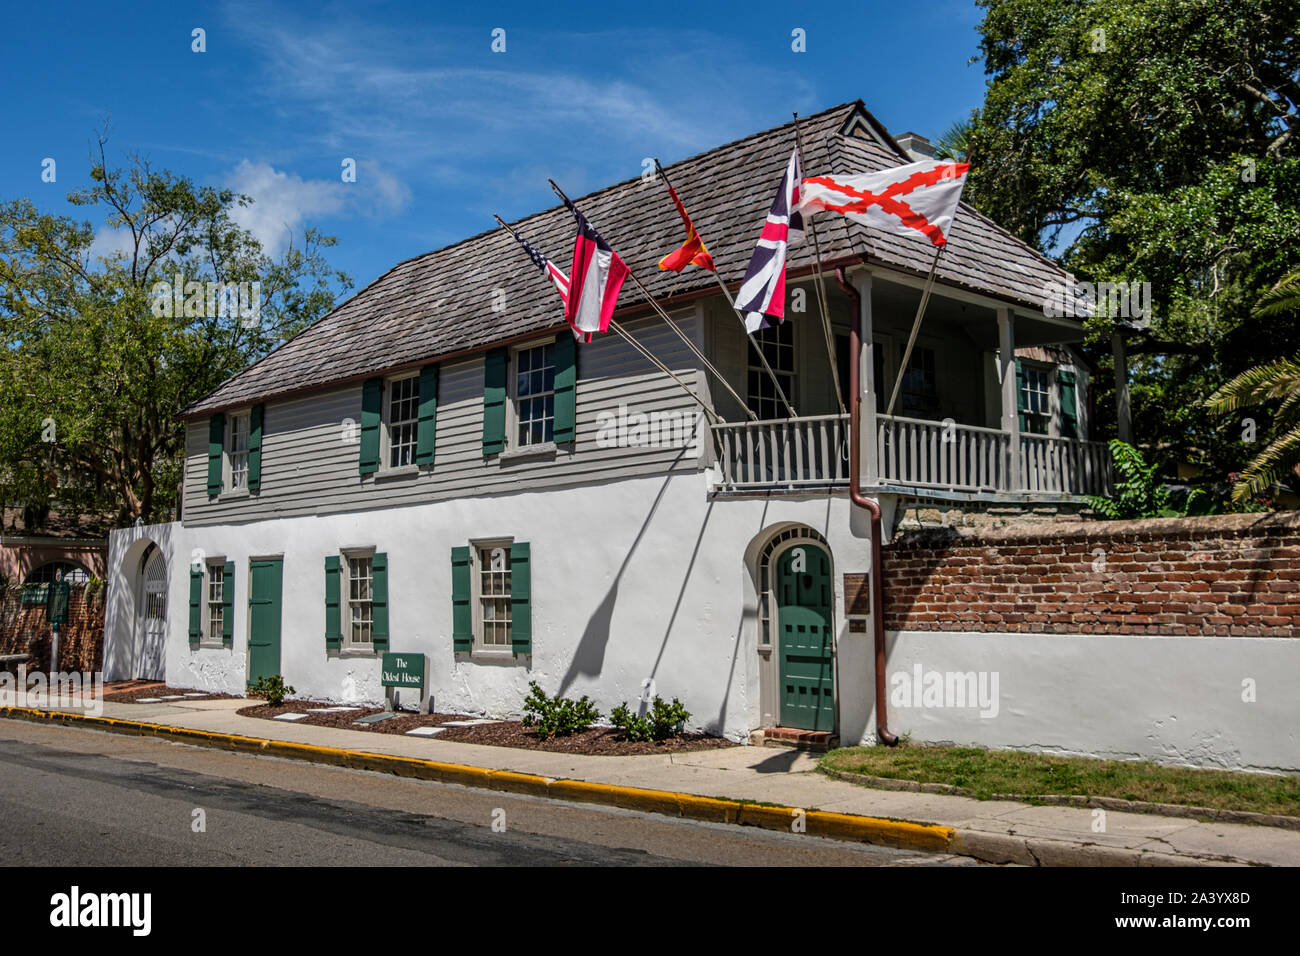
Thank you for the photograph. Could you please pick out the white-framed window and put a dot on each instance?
(358, 595)
(532, 395)
(237, 428)
(490, 572)
(402, 414)
(919, 395)
(1035, 398)
(216, 601)
(777, 344)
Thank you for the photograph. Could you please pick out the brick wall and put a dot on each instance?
(1224, 575)
(24, 630)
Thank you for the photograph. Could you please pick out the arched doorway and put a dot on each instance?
(148, 662)
(797, 630)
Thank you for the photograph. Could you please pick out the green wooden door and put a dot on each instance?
(264, 618)
(804, 620)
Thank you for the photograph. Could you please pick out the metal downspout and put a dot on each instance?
(883, 733)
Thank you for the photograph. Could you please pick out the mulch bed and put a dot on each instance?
(597, 741)
(134, 691)
(347, 718)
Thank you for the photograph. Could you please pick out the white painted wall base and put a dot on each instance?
(1177, 700)
(635, 579)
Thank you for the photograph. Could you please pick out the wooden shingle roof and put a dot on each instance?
(441, 303)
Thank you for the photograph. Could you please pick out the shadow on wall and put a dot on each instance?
(589, 657)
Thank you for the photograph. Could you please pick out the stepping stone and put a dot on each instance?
(376, 718)
(424, 732)
(173, 697)
(194, 695)
(331, 710)
(148, 700)
(476, 722)
(290, 717)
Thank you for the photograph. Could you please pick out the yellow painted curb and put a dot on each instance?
(836, 826)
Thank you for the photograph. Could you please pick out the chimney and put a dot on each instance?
(916, 146)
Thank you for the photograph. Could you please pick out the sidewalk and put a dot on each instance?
(994, 831)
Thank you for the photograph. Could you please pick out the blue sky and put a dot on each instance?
(443, 130)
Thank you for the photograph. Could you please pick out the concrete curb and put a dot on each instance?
(900, 834)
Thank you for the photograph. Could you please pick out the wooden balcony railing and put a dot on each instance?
(785, 453)
(909, 452)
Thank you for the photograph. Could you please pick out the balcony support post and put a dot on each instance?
(867, 376)
(1014, 479)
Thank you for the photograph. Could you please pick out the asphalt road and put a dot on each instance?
(74, 797)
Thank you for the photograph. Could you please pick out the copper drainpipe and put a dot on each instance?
(860, 500)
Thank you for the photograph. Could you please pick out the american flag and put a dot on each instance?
(557, 277)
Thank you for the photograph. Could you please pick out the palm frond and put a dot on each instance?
(1272, 464)
(1279, 379)
(1283, 298)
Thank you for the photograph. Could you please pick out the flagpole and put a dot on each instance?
(645, 352)
(673, 325)
(916, 327)
(732, 302)
(821, 285)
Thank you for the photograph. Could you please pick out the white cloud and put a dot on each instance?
(109, 241)
(284, 203)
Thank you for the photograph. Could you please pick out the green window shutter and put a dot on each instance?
(228, 604)
(1020, 397)
(255, 447)
(379, 601)
(462, 620)
(566, 388)
(1069, 403)
(371, 402)
(333, 616)
(521, 589)
(427, 430)
(216, 444)
(196, 605)
(494, 401)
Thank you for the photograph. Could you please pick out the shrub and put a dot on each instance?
(557, 716)
(1138, 492)
(273, 689)
(663, 721)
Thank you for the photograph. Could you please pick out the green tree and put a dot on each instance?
(94, 370)
(1153, 141)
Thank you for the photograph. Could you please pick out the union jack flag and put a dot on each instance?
(762, 295)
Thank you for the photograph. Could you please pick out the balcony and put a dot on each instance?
(911, 456)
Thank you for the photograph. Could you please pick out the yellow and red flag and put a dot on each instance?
(692, 250)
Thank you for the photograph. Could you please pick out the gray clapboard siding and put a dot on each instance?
(309, 468)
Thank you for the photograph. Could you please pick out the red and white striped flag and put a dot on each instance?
(595, 279)
(918, 198)
(761, 298)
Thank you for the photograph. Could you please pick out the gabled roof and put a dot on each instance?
(440, 303)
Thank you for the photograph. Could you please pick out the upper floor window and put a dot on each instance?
(533, 395)
(237, 450)
(919, 395)
(1035, 407)
(403, 420)
(777, 344)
